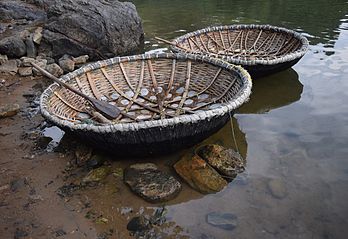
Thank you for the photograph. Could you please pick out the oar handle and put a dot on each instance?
(55, 79)
(171, 43)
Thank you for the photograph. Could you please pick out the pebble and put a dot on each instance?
(226, 221)
(199, 175)
(9, 110)
(153, 185)
(95, 161)
(277, 188)
(25, 71)
(97, 175)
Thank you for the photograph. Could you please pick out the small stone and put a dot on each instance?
(9, 67)
(37, 36)
(25, 71)
(96, 161)
(60, 232)
(81, 59)
(67, 190)
(54, 69)
(138, 224)
(150, 183)
(31, 49)
(20, 233)
(3, 59)
(117, 172)
(227, 221)
(66, 64)
(199, 175)
(12, 46)
(83, 153)
(277, 188)
(226, 161)
(9, 110)
(43, 142)
(97, 175)
(101, 220)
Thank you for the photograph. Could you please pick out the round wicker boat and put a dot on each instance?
(260, 49)
(168, 101)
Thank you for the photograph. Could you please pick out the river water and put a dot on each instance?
(293, 132)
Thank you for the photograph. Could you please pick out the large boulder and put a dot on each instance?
(97, 28)
(13, 47)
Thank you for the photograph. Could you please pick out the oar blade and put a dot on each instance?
(108, 110)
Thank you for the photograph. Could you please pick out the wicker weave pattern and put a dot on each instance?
(245, 45)
(153, 90)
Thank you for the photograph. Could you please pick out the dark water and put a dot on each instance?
(294, 131)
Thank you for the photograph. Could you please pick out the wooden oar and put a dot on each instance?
(108, 110)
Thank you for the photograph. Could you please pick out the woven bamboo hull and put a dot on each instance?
(264, 70)
(261, 49)
(154, 141)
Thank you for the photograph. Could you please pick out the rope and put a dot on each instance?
(233, 135)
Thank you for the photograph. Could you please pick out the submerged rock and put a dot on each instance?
(199, 175)
(138, 224)
(150, 183)
(9, 110)
(277, 188)
(227, 161)
(97, 175)
(227, 221)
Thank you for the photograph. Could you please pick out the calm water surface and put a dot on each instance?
(293, 131)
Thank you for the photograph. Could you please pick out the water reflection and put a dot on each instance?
(273, 92)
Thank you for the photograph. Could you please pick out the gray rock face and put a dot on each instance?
(95, 28)
(150, 183)
(10, 9)
(13, 47)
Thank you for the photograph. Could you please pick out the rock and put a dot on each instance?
(9, 67)
(66, 64)
(25, 71)
(31, 49)
(8, 110)
(43, 142)
(12, 46)
(150, 183)
(96, 161)
(111, 28)
(18, 184)
(138, 224)
(43, 56)
(97, 175)
(10, 10)
(199, 175)
(20, 233)
(3, 59)
(226, 161)
(81, 59)
(277, 188)
(37, 35)
(227, 221)
(54, 69)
